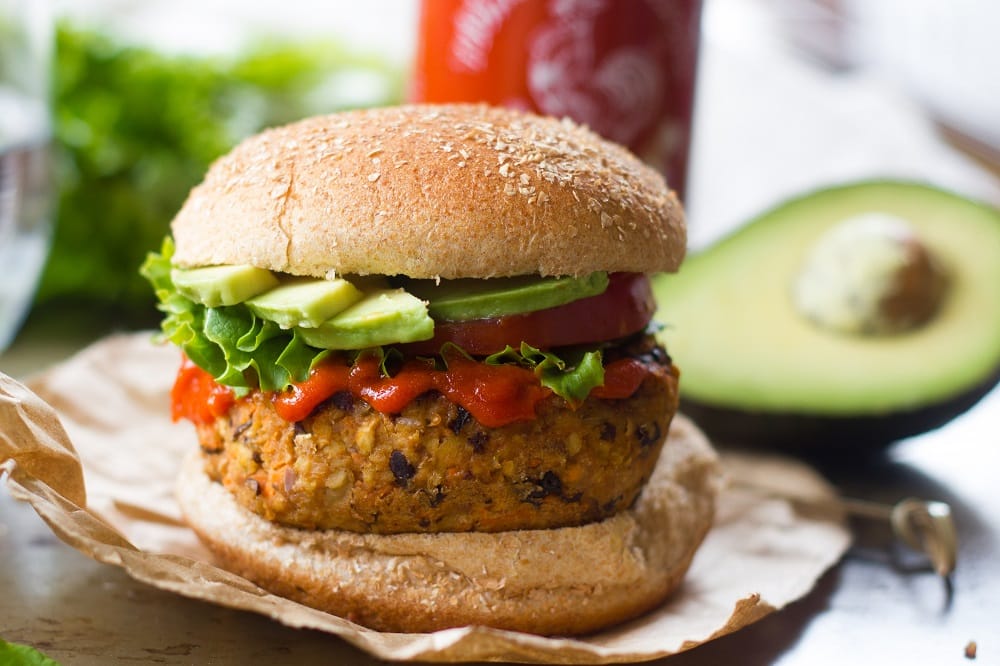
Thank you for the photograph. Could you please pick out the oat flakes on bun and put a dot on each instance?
(416, 354)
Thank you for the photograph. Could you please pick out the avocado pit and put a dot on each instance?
(870, 274)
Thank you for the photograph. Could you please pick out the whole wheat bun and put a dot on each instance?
(559, 581)
(432, 191)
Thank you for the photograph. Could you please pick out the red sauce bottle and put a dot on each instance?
(626, 68)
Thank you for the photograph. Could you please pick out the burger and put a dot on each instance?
(418, 355)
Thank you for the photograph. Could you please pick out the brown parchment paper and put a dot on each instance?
(101, 420)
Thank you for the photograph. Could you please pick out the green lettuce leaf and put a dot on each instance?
(235, 346)
(14, 653)
(571, 378)
(241, 350)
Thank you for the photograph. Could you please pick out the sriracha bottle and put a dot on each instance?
(625, 68)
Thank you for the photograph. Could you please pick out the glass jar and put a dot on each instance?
(25, 136)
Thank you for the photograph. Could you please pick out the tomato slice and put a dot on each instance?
(625, 307)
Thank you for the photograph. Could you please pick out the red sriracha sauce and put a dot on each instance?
(495, 395)
(197, 397)
(390, 395)
(621, 379)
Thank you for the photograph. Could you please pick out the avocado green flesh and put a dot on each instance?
(465, 299)
(381, 318)
(215, 286)
(361, 312)
(730, 323)
(305, 302)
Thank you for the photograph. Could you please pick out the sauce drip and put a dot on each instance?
(621, 379)
(197, 397)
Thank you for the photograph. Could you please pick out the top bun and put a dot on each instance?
(432, 191)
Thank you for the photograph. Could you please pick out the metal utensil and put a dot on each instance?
(924, 525)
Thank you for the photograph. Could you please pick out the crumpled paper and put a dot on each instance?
(91, 446)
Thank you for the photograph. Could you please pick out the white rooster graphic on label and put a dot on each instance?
(618, 96)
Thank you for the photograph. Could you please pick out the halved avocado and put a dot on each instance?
(756, 369)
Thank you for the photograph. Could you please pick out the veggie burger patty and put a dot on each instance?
(433, 468)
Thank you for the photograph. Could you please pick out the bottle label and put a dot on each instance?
(625, 68)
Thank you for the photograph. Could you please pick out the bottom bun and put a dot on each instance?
(570, 580)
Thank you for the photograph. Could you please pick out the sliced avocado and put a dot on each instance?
(380, 318)
(214, 286)
(758, 366)
(305, 302)
(459, 300)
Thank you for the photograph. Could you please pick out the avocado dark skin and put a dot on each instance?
(807, 433)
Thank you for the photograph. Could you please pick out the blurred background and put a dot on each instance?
(791, 95)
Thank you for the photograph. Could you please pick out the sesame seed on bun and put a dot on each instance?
(432, 192)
